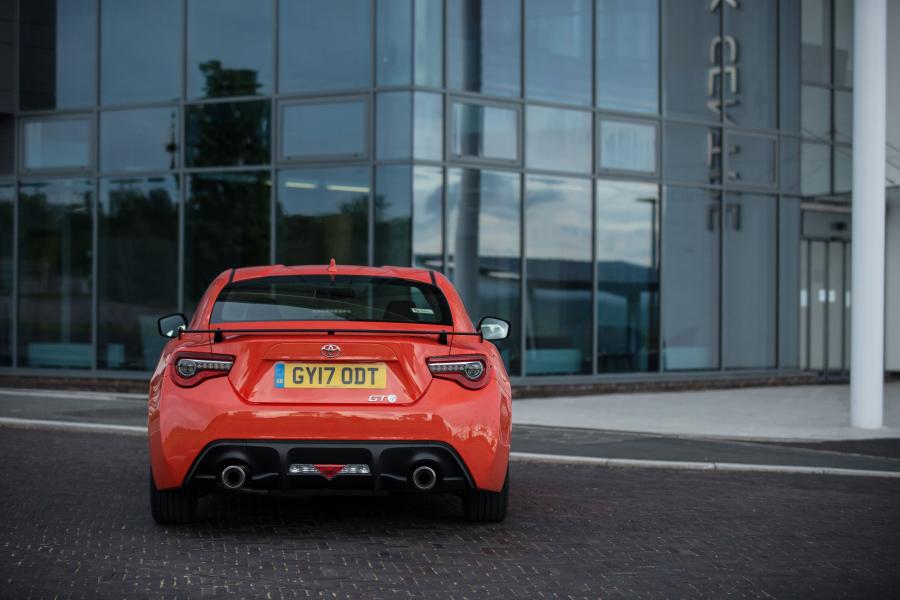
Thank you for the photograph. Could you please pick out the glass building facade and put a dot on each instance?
(635, 184)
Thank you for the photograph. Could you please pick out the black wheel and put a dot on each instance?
(486, 507)
(171, 507)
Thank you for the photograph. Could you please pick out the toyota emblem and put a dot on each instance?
(331, 350)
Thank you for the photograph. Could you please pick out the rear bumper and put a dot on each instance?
(185, 424)
(267, 465)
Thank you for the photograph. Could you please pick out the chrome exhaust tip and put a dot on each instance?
(233, 477)
(424, 478)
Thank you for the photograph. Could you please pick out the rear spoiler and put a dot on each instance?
(219, 334)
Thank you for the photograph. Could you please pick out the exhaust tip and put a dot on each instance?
(424, 478)
(233, 477)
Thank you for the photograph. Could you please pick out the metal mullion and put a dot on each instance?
(370, 132)
(95, 300)
(594, 280)
(14, 325)
(180, 166)
(523, 268)
(275, 135)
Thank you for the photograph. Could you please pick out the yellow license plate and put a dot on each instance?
(321, 375)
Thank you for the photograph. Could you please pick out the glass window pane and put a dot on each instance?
(7, 200)
(843, 43)
(485, 131)
(748, 304)
(790, 165)
(409, 42)
(558, 50)
(137, 279)
(843, 117)
(843, 169)
(227, 134)
(789, 50)
(483, 51)
(628, 55)
(691, 90)
(558, 139)
(229, 46)
(226, 225)
(815, 169)
(7, 144)
(627, 146)
(135, 140)
(558, 233)
(409, 125)
(690, 279)
(751, 159)
(140, 51)
(789, 283)
(751, 100)
(627, 277)
(692, 153)
(324, 45)
(815, 115)
(331, 128)
(815, 37)
(57, 144)
(57, 53)
(483, 213)
(55, 274)
(322, 214)
(403, 192)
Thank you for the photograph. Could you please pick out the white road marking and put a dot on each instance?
(522, 456)
(107, 397)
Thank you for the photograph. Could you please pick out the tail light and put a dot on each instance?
(469, 371)
(191, 368)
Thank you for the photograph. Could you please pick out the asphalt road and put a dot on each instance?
(75, 523)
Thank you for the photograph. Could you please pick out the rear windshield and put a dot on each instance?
(331, 298)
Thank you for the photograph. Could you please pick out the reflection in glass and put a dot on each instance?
(483, 215)
(409, 125)
(57, 53)
(140, 51)
(628, 55)
(843, 43)
(789, 66)
(226, 225)
(627, 277)
(689, 28)
(749, 294)
(139, 140)
(57, 143)
(558, 50)
(558, 139)
(815, 112)
(843, 117)
(324, 45)
(55, 274)
(322, 214)
(483, 46)
(485, 131)
(558, 323)
(229, 47)
(627, 146)
(7, 199)
(401, 193)
(751, 159)
(328, 128)
(409, 42)
(843, 169)
(751, 102)
(815, 37)
(789, 282)
(692, 153)
(690, 279)
(137, 270)
(227, 134)
(815, 169)
(789, 173)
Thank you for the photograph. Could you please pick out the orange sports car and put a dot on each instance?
(329, 378)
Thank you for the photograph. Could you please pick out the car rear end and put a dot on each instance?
(362, 381)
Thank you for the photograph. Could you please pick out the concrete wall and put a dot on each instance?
(892, 173)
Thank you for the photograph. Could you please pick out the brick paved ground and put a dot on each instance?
(74, 522)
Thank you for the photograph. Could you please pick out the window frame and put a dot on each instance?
(84, 170)
(282, 105)
(466, 159)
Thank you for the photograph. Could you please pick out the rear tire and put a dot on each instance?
(486, 507)
(172, 507)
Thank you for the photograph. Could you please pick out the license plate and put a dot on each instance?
(318, 375)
